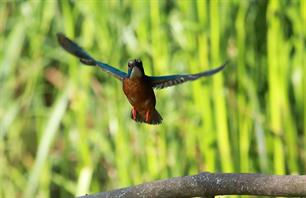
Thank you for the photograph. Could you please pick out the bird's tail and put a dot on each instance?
(75, 49)
(155, 118)
(152, 118)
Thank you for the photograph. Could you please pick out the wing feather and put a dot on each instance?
(160, 82)
(86, 59)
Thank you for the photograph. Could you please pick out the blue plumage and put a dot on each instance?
(137, 86)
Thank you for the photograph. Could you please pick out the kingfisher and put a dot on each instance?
(137, 86)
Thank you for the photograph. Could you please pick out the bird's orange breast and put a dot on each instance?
(139, 93)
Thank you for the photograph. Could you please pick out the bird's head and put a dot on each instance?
(135, 69)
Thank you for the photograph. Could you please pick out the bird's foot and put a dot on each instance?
(148, 116)
(134, 113)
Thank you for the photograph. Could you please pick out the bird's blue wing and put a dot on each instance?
(79, 52)
(160, 82)
(112, 70)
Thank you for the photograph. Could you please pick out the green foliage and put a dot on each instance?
(65, 128)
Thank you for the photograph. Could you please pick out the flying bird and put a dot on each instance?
(137, 86)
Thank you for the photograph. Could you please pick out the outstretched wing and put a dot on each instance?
(160, 82)
(86, 59)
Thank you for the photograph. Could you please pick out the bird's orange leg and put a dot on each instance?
(148, 116)
(134, 113)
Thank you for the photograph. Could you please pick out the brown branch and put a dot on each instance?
(208, 184)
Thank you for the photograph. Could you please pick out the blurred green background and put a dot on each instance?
(65, 129)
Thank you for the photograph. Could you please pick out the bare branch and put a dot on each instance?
(208, 184)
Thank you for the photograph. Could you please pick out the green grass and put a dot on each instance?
(65, 128)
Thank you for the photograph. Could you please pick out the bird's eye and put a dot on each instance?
(137, 60)
(130, 63)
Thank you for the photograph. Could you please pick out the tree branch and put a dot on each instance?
(208, 184)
